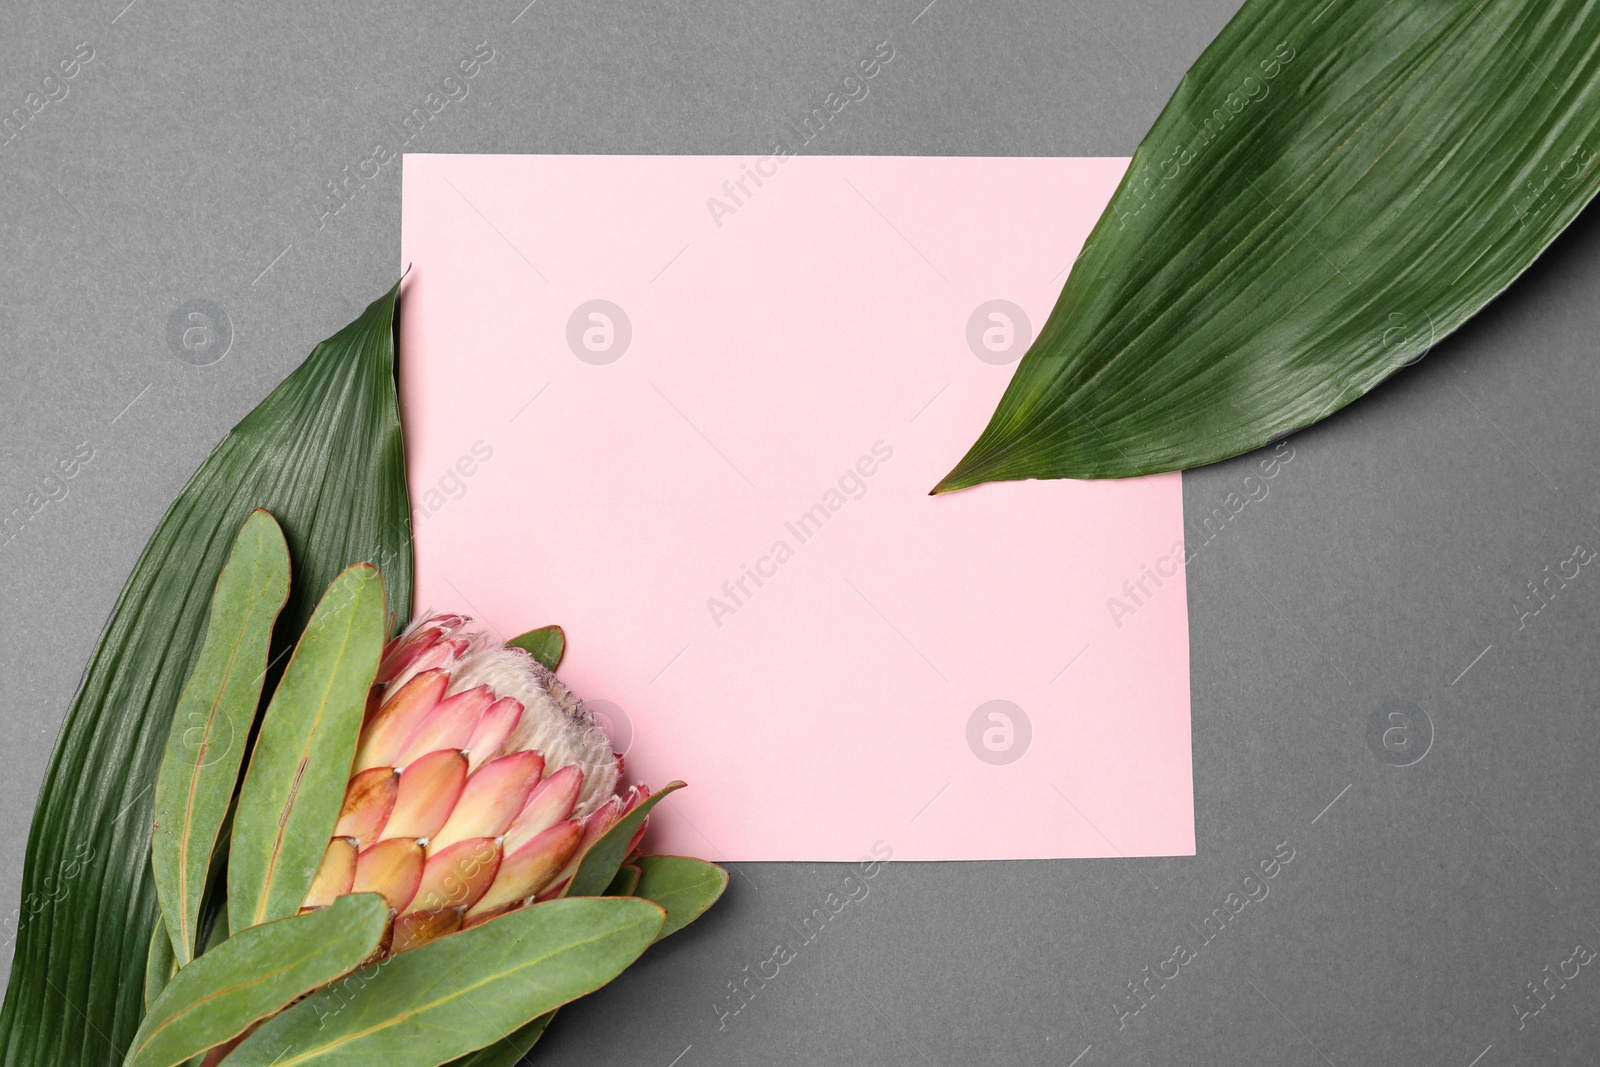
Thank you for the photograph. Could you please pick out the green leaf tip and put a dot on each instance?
(211, 726)
(256, 974)
(684, 886)
(1322, 201)
(461, 993)
(601, 862)
(546, 644)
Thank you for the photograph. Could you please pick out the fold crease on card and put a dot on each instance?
(689, 408)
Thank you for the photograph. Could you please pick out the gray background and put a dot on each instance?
(1388, 557)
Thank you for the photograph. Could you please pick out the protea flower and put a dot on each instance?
(479, 782)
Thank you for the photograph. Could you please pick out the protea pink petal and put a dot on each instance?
(374, 702)
(458, 876)
(636, 795)
(420, 927)
(594, 826)
(446, 814)
(404, 650)
(550, 803)
(492, 798)
(492, 730)
(335, 876)
(397, 718)
(429, 788)
(551, 891)
(444, 654)
(601, 821)
(450, 725)
(524, 872)
(393, 868)
(368, 800)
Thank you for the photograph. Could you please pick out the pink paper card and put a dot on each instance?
(690, 408)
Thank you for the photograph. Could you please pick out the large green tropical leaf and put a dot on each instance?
(460, 993)
(323, 454)
(294, 787)
(212, 724)
(1335, 186)
(254, 975)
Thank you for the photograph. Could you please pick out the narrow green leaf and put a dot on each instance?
(253, 975)
(295, 784)
(682, 885)
(511, 1050)
(545, 644)
(460, 993)
(212, 724)
(508, 1051)
(215, 932)
(160, 964)
(323, 454)
(684, 888)
(213, 927)
(599, 864)
(626, 881)
(1332, 189)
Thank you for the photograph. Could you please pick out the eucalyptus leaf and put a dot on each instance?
(625, 882)
(545, 644)
(212, 724)
(599, 865)
(214, 909)
(682, 885)
(461, 993)
(508, 1051)
(684, 888)
(160, 964)
(323, 453)
(254, 975)
(1333, 188)
(295, 784)
(214, 925)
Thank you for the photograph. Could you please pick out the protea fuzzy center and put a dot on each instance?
(479, 782)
